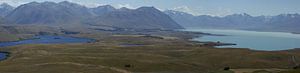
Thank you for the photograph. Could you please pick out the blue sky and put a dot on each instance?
(196, 7)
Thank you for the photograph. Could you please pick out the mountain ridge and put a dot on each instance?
(133, 18)
(67, 13)
(281, 23)
(5, 9)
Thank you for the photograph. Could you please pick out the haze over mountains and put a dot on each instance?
(67, 13)
(71, 14)
(282, 23)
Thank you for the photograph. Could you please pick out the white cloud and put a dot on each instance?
(91, 5)
(125, 5)
(186, 9)
(218, 11)
(13, 2)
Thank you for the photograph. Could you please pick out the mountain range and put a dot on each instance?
(281, 23)
(150, 17)
(68, 13)
(108, 17)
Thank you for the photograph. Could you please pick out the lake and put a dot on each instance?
(267, 41)
(3, 56)
(44, 40)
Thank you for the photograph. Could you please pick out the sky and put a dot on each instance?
(195, 7)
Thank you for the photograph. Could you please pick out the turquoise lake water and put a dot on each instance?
(268, 41)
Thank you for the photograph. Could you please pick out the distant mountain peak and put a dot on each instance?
(140, 18)
(5, 9)
(106, 6)
(124, 9)
(290, 15)
(282, 22)
(5, 5)
(242, 15)
(48, 13)
(48, 3)
(295, 15)
(32, 3)
(103, 9)
(68, 13)
(66, 2)
(173, 12)
(147, 8)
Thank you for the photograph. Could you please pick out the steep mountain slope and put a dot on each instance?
(2, 20)
(48, 13)
(71, 14)
(76, 9)
(182, 18)
(141, 18)
(5, 9)
(100, 10)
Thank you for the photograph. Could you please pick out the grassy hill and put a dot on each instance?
(154, 56)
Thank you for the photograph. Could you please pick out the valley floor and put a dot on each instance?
(154, 54)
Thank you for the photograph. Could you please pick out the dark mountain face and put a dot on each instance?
(141, 18)
(76, 9)
(284, 22)
(48, 13)
(5, 9)
(100, 10)
(67, 13)
(182, 18)
(2, 20)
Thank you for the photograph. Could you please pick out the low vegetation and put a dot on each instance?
(157, 55)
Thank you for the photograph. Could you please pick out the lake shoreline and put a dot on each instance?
(55, 37)
(42, 37)
(159, 53)
(36, 37)
(7, 54)
(292, 32)
(243, 39)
